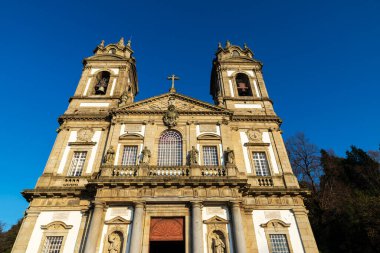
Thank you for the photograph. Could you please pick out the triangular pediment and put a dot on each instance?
(216, 220)
(117, 220)
(183, 104)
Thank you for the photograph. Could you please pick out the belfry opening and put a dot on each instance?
(167, 235)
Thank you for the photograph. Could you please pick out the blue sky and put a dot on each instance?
(321, 61)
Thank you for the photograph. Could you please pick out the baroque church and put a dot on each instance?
(169, 173)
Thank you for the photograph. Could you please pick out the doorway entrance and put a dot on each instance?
(167, 235)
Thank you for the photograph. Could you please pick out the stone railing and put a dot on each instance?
(267, 181)
(167, 171)
(264, 181)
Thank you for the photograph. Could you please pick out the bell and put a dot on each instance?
(101, 90)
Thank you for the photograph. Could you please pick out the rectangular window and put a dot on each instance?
(279, 243)
(52, 244)
(77, 163)
(210, 155)
(129, 155)
(261, 164)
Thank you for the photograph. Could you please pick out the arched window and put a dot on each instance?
(243, 85)
(102, 80)
(112, 51)
(170, 149)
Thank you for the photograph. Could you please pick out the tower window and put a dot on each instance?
(261, 164)
(170, 149)
(129, 155)
(279, 243)
(52, 244)
(112, 51)
(102, 80)
(210, 155)
(77, 163)
(243, 85)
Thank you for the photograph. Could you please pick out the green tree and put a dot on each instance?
(7, 238)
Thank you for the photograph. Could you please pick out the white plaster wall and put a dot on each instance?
(117, 154)
(68, 217)
(72, 138)
(94, 104)
(253, 106)
(230, 72)
(198, 131)
(221, 154)
(124, 212)
(211, 211)
(263, 216)
(231, 88)
(87, 86)
(256, 88)
(95, 138)
(113, 86)
(243, 140)
(249, 72)
(266, 139)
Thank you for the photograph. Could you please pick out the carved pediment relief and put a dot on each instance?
(216, 220)
(183, 104)
(255, 138)
(117, 221)
(56, 225)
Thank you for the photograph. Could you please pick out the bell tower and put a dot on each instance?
(108, 79)
(237, 82)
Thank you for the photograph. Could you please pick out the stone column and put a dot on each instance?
(23, 237)
(238, 229)
(197, 227)
(304, 228)
(137, 228)
(94, 228)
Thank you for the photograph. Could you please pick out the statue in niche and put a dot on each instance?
(218, 246)
(110, 156)
(171, 116)
(194, 154)
(145, 156)
(114, 241)
(230, 155)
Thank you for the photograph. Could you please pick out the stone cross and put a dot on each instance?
(173, 77)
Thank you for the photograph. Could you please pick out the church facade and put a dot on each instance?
(170, 173)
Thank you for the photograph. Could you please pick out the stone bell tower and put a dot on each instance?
(108, 79)
(237, 82)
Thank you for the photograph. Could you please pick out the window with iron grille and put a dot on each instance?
(129, 155)
(279, 243)
(52, 244)
(210, 155)
(261, 164)
(170, 149)
(77, 163)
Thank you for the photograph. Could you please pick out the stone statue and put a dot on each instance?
(126, 97)
(145, 156)
(114, 241)
(194, 153)
(218, 245)
(171, 116)
(110, 155)
(230, 155)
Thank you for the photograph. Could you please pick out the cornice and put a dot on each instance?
(30, 194)
(262, 118)
(84, 117)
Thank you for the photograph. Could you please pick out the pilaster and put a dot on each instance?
(304, 228)
(25, 232)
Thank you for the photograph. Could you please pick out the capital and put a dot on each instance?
(139, 204)
(196, 204)
(235, 203)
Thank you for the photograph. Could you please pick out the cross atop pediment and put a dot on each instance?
(173, 78)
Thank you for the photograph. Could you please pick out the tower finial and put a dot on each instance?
(129, 43)
(228, 44)
(245, 46)
(101, 43)
(121, 42)
(219, 45)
